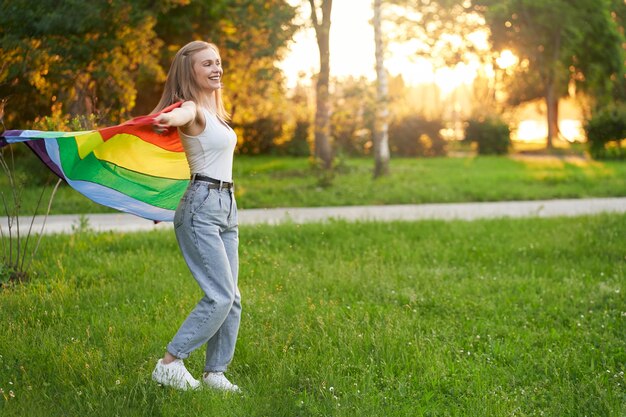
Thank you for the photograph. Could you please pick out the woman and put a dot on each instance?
(205, 222)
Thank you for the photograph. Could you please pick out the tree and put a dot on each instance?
(381, 136)
(442, 31)
(78, 58)
(556, 41)
(322, 111)
(599, 63)
(108, 56)
(251, 36)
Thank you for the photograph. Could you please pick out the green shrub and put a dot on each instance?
(416, 136)
(606, 129)
(299, 144)
(492, 135)
(259, 136)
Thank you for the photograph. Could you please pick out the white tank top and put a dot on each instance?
(211, 152)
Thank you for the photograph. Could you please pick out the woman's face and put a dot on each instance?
(208, 70)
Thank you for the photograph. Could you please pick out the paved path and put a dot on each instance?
(410, 212)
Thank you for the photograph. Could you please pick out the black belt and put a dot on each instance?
(213, 183)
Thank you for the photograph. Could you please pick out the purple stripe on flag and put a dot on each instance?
(39, 148)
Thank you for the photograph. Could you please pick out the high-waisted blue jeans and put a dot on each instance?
(206, 229)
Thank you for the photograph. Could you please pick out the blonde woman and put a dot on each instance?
(205, 222)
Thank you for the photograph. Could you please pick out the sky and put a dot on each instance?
(352, 50)
(351, 43)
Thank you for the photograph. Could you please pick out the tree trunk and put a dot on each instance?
(552, 96)
(322, 112)
(83, 100)
(381, 137)
(552, 106)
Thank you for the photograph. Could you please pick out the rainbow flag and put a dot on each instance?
(128, 167)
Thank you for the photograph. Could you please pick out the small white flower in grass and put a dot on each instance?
(11, 394)
(331, 389)
(118, 382)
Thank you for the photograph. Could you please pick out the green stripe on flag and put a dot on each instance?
(157, 191)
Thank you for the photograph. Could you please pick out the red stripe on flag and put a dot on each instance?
(142, 128)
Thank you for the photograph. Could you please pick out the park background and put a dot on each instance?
(474, 101)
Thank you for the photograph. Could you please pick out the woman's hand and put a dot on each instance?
(181, 116)
(162, 123)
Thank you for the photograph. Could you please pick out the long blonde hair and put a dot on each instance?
(181, 85)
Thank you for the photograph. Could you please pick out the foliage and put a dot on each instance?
(600, 59)
(606, 130)
(86, 57)
(492, 135)
(557, 42)
(443, 31)
(369, 319)
(352, 119)
(298, 120)
(254, 34)
(298, 143)
(259, 136)
(416, 136)
(108, 57)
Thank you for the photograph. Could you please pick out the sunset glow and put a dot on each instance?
(506, 59)
(352, 52)
(352, 55)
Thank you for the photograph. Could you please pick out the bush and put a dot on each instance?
(492, 135)
(259, 136)
(298, 145)
(416, 136)
(606, 129)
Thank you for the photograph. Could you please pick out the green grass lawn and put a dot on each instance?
(291, 182)
(508, 317)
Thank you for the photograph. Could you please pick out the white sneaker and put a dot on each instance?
(174, 374)
(218, 381)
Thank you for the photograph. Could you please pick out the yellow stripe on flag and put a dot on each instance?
(86, 142)
(130, 152)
